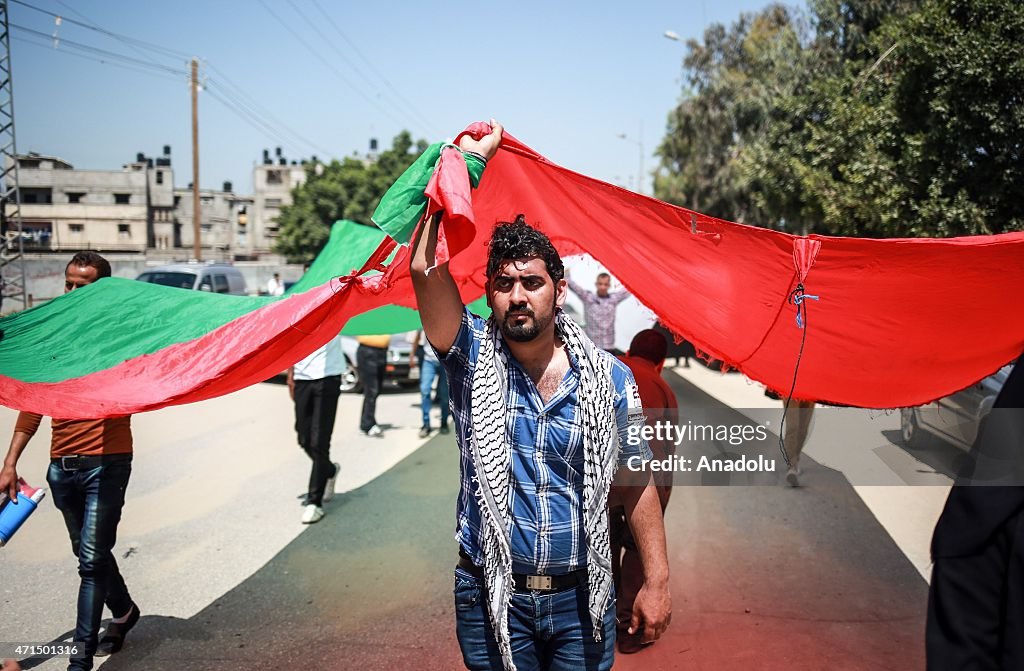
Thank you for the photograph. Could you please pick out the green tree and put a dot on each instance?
(346, 189)
(886, 118)
(735, 78)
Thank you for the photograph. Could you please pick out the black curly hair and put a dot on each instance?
(89, 259)
(518, 240)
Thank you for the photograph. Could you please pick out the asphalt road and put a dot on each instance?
(763, 577)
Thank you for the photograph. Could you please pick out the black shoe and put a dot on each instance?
(444, 428)
(113, 637)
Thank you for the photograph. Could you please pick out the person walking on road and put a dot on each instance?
(976, 594)
(645, 359)
(430, 368)
(542, 420)
(371, 361)
(315, 385)
(90, 464)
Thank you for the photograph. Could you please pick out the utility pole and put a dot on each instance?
(196, 213)
(12, 250)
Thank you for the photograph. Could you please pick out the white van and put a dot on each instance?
(220, 278)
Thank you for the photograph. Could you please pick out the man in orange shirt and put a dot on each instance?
(90, 463)
(646, 358)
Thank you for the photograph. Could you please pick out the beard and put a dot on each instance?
(528, 330)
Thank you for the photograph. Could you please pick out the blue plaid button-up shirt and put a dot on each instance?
(548, 534)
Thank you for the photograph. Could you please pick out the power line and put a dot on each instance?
(248, 117)
(346, 59)
(370, 65)
(255, 119)
(129, 42)
(49, 47)
(328, 64)
(254, 112)
(142, 43)
(97, 50)
(243, 98)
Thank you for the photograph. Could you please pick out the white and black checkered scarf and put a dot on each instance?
(492, 459)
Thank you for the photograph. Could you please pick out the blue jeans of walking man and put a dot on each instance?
(548, 631)
(429, 369)
(90, 501)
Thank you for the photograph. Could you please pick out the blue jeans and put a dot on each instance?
(428, 370)
(91, 501)
(548, 631)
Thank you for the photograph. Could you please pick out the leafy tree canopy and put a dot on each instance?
(347, 189)
(862, 117)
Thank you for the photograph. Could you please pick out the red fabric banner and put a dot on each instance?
(897, 322)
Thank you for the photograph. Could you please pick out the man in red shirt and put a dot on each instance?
(646, 358)
(90, 463)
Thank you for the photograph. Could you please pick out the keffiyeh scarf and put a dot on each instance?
(492, 459)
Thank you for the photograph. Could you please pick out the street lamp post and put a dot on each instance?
(640, 145)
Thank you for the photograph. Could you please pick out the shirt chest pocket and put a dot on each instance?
(562, 447)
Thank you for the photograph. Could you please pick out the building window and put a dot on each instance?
(272, 202)
(159, 176)
(206, 199)
(274, 177)
(76, 229)
(29, 163)
(33, 196)
(124, 231)
(75, 197)
(122, 198)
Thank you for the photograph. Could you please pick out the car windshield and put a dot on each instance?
(167, 279)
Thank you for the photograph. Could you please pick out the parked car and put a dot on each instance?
(220, 278)
(954, 419)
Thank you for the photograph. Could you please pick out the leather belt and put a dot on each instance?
(531, 583)
(82, 462)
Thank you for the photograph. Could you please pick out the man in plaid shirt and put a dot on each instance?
(599, 308)
(542, 416)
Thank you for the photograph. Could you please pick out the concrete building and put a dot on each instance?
(223, 222)
(138, 209)
(272, 182)
(64, 209)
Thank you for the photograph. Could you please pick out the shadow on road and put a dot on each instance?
(763, 577)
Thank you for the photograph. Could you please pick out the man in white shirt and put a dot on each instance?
(315, 384)
(275, 287)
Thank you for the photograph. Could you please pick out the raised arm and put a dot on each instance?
(584, 294)
(620, 295)
(436, 292)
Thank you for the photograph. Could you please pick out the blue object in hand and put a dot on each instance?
(13, 516)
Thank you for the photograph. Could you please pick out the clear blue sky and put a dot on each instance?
(566, 78)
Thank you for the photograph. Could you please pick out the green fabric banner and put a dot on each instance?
(403, 205)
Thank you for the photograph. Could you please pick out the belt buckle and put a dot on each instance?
(64, 465)
(539, 582)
